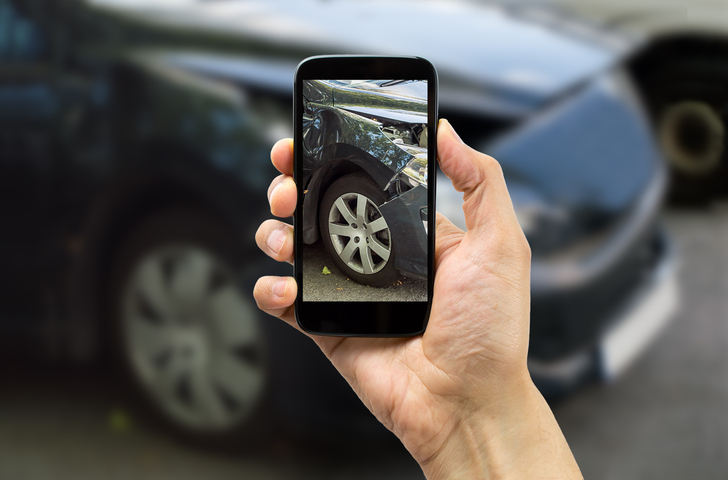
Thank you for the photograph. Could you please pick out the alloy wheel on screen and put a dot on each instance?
(359, 233)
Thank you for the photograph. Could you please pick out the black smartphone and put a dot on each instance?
(364, 166)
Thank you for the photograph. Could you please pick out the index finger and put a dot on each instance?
(282, 156)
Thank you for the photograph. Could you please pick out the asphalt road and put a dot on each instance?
(666, 418)
(335, 286)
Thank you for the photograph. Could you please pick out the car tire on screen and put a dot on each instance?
(689, 102)
(355, 233)
(186, 334)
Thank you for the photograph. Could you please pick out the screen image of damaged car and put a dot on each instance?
(365, 176)
(135, 142)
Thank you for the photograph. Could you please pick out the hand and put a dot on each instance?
(459, 397)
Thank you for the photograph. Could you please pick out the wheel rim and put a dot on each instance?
(359, 233)
(692, 135)
(192, 338)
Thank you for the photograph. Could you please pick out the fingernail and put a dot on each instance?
(276, 240)
(280, 287)
(454, 133)
(275, 189)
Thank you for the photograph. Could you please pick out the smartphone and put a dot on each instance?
(364, 166)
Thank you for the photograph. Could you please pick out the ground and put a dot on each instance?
(318, 286)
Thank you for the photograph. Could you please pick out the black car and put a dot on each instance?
(366, 142)
(135, 158)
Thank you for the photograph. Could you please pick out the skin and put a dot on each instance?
(459, 397)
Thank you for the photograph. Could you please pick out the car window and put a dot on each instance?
(21, 39)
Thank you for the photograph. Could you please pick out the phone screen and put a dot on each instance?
(364, 171)
(368, 140)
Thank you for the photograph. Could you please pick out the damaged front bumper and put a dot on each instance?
(407, 217)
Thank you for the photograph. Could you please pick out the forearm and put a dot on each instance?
(519, 440)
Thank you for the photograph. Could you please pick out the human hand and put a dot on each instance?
(459, 397)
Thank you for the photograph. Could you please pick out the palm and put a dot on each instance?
(413, 385)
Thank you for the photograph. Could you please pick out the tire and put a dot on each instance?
(187, 339)
(360, 244)
(688, 100)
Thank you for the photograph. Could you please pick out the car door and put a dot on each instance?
(28, 117)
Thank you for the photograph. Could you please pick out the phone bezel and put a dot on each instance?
(370, 319)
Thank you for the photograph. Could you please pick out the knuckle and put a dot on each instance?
(486, 169)
(490, 167)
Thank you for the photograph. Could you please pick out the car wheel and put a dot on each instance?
(187, 337)
(355, 233)
(689, 103)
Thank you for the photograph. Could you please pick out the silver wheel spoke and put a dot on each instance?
(348, 252)
(361, 208)
(153, 288)
(204, 396)
(379, 248)
(343, 230)
(149, 339)
(343, 208)
(377, 225)
(366, 260)
(191, 275)
(231, 316)
(234, 376)
(170, 375)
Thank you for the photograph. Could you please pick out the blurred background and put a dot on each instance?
(134, 164)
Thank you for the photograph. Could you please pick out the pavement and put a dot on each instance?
(666, 418)
(336, 286)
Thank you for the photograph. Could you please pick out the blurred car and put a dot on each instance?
(681, 71)
(134, 164)
(366, 141)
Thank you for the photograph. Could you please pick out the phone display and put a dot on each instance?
(364, 169)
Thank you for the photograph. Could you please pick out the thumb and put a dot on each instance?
(478, 176)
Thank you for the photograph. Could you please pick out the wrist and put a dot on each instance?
(514, 437)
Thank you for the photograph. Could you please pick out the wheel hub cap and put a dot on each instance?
(192, 338)
(367, 249)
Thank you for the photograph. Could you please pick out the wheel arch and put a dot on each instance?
(122, 206)
(347, 162)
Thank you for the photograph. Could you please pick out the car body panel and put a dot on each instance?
(523, 78)
(609, 136)
(410, 244)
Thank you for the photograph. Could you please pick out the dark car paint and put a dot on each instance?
(345, 128)
(496, 64)
(410, 244)
(618, 170)
(113, 137)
